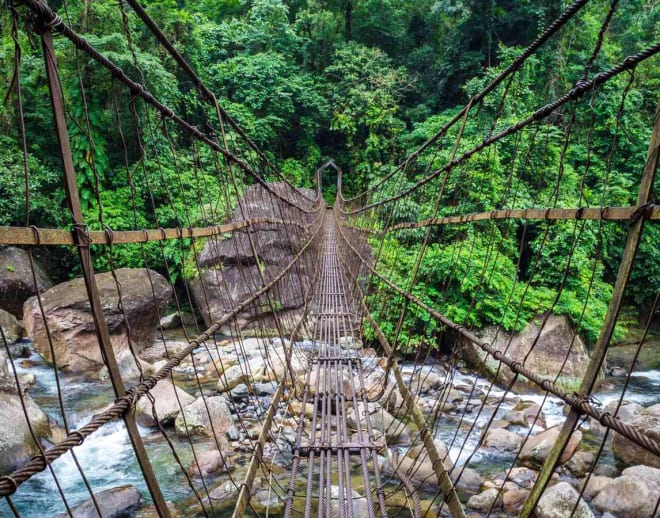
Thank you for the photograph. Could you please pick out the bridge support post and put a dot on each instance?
(597, 356)
(81, 238)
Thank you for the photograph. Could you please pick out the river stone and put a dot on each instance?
(419, 450)
(216, 367)
(381, 420)
(267, 502)
(209, 462)
(537, 448)
(514, 499)
(275, 366)
(16, 280)
(296, 408)
(116, 502)
(470, 480)
(318, 379)
(485, 500)
(265, 389)
(252, 371)
(646, 473)
(628, 497)
(71, 323)
(240, 392)
(547, 358)
(423, 382)
(198, 422)
(167, 399)
(559, 500)
(224, 496)
(16, 442)
(418, 466)
(502, 440)
(525, 413)
(4, 371)
(11, 329)
(226, 264)
(653, 410)
(628, 453)
(581, 463)
(522, 476)
(594, 486)
(627, 410)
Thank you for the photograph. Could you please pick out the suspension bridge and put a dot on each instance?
(363, 442)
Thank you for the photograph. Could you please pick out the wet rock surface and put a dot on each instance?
(71, 324)
(17, 281)
(117, 502)
(496, 482)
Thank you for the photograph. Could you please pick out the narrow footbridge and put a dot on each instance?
(359, 417)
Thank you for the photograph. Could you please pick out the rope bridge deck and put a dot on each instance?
(361, 419)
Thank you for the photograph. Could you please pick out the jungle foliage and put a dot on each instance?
(363, 82)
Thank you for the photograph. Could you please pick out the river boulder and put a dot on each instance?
(230, 272)
(16, 279)
(204, 417)
(380, 420)
(486, 500)
(502, 440)
(559, 501)
(11, 329)
(634, 494)
(536, 449)
(207, 463)
(541, 348)
(628, 453)
(17, 444)
(116, 502)
(144, 293)
(168, 402)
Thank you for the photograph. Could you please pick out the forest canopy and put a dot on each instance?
(363, 82)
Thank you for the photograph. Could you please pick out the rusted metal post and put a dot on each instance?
(81, 239)
(598, 354)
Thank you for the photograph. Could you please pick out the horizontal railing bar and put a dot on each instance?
(51, 236)
(650, 212)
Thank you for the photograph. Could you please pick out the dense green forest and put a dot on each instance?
(363, 82)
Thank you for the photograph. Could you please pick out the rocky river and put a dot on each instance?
(107, 460)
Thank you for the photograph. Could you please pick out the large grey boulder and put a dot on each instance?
(488, 499)
(71, 323)
(559, 501)
(116, 502)
(417, 465)
(625, 412)
(204, 417)
(544, 353)
(168, 400)
(11, 329)
(536, 449)
(633, 495)
(230, 272)
(380, 420)
(628, 453)
(502, 440)
(207, 463)
(17, 444)
(17, 281)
